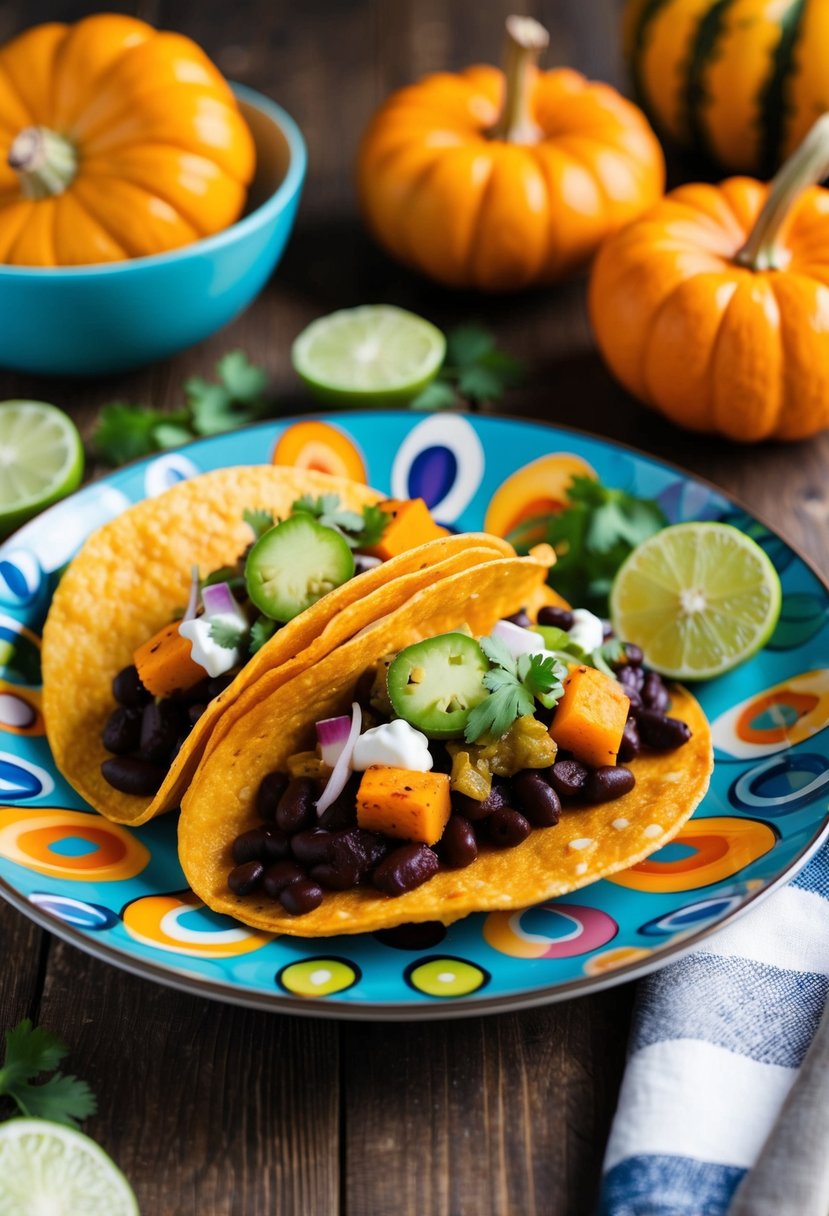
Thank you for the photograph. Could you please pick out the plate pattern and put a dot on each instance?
(120, 893)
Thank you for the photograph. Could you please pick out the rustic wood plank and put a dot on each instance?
(23, 949)
(206, 1107)
(485, 1117)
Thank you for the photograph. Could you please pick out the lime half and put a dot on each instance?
(47, 1169)
(376, 354)
(41, 459)
(699, 598)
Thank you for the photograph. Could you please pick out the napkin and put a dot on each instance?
(716, 1044)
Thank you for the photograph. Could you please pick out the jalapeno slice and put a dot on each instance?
(435, 684)
(295, 564)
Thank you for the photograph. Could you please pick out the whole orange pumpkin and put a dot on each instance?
(713, 307)
(119, 141)
(499, 180)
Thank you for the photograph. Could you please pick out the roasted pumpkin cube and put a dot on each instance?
(590, 717)
(410, 525)
(164, 663)
(404, 804)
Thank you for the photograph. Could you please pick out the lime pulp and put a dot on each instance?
(699, 598)
(41, 459)
(377, 354)
(47, 1169)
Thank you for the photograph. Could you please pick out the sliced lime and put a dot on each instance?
(377, 354)
(699, 598)
(50, 1170)
(41, 459)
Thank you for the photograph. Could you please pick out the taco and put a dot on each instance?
(128, 737)
(445, 761)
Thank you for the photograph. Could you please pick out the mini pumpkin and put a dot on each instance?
(713, 307)
(498, 180)
(740, 81)
(120, 141)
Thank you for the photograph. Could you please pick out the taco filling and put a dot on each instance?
(287, 567)
(456, 747)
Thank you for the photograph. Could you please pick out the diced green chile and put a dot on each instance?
(295, 564)
(435, 684)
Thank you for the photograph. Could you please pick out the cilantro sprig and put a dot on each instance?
(237, 396)
(474, 371)
(31, 1051)
(514, 687)
(361, 529)
(227, 635)
(592, 537)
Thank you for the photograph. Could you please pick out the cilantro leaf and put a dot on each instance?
(259, 521)
(29, 1052)
(262, 629)
(496, 713)
(474, 370)
(609, 652)
(435, 396)
(360, 529)
(542, 676)
(375, 522)
(226, 635)
(497, 652)
(592, 536)
(245, 382)
(467, 344)
(126, 432)
(514, 686)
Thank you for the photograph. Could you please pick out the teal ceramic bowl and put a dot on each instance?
(93, 320)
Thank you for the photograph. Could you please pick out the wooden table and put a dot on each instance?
(220, 1110)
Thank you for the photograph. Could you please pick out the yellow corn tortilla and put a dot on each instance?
(133, 575)
(220, 803)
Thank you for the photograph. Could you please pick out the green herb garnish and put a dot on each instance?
(361, 529)
(474, 370)
(261, 630)
(226, 634)
(259, 521)
(31, 1051)
(238, 396)
(514, 686)
(592, 536)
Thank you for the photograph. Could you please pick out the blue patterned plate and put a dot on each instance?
(120, 894)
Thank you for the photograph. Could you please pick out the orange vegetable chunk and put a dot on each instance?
(590, 717)
(164, 663)
(410, 525)
(404, 804)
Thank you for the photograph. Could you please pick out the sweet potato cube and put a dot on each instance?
(590, 717)
(410, 525)
(404, 804)
(164, 663)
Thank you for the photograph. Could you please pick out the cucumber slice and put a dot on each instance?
(435, 684)
(295, 564)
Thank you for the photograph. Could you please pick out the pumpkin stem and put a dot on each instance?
(526, 39)
(807, 166)
(45, 162)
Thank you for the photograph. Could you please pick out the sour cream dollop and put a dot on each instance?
(215, 659)
(587, 630)
(394, 744)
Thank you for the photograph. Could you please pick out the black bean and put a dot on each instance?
(568, 778)
(559, 618)
(536, 798)
(458, 846)
(631, 677)
(405, 868)
(245, 878)
(519, 618)
(630, 745)
(279, 876)
(635, 698)
(131, 775)
(250, 846)
(507, 828)
(160, 728)
(358, 850)
(335, 878)
(342, 813)
(219, 683)
(419, 936)
(122, 731)
(277, 844)
(301, 897)
(295, 809)
(633, 654)
(128, 689)
(654, 693)
(313, 847)
(607, 782)
(194, 712)
(472, 809)
(271, 788)
(196, 694)
(661, 733)
(441, 760)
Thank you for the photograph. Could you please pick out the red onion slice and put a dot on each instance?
(517, 640)
(193, 602)
(332, 735)
(218, 600)
(342, 769)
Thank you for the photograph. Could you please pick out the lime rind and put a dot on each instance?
(47, 1167)
(699, 598)
(376, 352)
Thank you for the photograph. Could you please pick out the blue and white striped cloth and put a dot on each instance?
(716, 1043)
